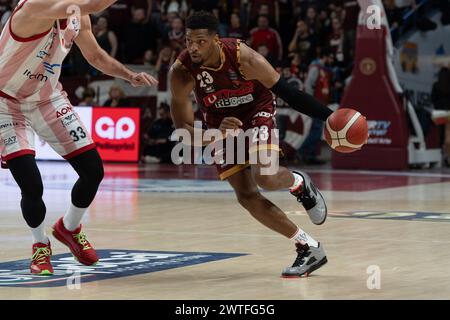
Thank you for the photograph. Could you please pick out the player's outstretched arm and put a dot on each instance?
(101, 60)
(60, 9)
(255, 67)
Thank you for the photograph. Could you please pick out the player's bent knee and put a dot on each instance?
(32, 190)
(27, 176)
(89, 167)
(97, 173)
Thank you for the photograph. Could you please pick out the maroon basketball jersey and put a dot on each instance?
(223, 91)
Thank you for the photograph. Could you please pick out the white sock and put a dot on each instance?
(297, 182)
(39, 234)
(73, 217)
(302, 237)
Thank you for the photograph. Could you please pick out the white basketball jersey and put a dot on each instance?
(30, 67)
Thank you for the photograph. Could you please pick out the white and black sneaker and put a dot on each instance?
(311, 199)
(308, 259)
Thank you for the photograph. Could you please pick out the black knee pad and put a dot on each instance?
(89, 167)
(33, 211)
(27, 176)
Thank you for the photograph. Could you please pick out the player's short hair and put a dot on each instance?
(202, 20)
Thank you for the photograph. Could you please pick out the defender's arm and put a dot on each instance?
(60, 9)
(101, 60)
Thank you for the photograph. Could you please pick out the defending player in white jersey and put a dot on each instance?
(33, 45)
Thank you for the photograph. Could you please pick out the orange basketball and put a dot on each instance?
(346, 130)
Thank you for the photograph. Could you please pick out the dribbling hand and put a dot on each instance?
(230, 124)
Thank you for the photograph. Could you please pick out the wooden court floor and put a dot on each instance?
(387, 235)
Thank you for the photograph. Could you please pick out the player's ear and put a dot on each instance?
(216, 37)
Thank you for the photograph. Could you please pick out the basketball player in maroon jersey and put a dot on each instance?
(233, 84)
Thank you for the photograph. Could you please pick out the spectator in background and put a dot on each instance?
(263, 50)
(165, 59)
(6, 7)
(147, 5)
(105, 37)
(170, 11)
(236, 30)
(313, 22)
(336, 40)
(317, 84)
(117, 98)
(338, 11)
(88, 97)
(286, 22)
(444, 6)
(263, 34)
(440, 97)
(303, 43)
(159, 146)
(325, 26)
(206, 5)
(145, 124)
(295, 82)
(149, 58)
(120, 17)
(175, 36)
(269, 8)
(175, 6)
(222, 13)
(393, 13)
(141, 36)
(349, 25)
(423, 23)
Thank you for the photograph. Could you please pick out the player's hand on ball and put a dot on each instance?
(346, 130)
(229, 125)
(143, 79)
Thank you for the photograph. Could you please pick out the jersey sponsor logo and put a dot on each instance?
(230, 97)
(10, 141)
(9, 124)
(263, 114)
(44, 52)
(37, 76)
(113, 263)
(233, 101)
(50, 68)
(63, 111)
(67, 121)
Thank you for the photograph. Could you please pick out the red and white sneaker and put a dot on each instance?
(76, 240)
(40, 260)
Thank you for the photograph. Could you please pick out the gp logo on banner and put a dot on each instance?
(114, 263)
(116, 133)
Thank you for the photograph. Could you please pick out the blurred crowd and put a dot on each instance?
(310, 42)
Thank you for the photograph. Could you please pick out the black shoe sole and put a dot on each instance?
(310, 270)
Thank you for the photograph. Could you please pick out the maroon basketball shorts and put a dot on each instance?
(249, 145)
